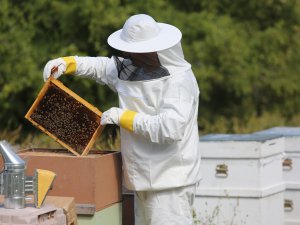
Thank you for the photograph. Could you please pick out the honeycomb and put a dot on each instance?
(65, 117)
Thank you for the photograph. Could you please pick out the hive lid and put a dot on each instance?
(257, 137)
(291, 135)
(65, 117)
(240, 145)
(283, 131)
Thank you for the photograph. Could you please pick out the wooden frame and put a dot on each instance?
(51, 82)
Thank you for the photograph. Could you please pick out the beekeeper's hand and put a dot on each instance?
(59, 66)
(55, 67)
(121, 117)
(112, 116)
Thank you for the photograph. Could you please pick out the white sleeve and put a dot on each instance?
(170, 124)
(100, 69)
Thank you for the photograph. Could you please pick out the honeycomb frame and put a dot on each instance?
(57, 109)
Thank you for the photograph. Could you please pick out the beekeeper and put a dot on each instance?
(157, 115)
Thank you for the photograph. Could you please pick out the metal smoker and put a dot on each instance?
(15, 185)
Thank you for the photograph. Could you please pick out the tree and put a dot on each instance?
(242, 52)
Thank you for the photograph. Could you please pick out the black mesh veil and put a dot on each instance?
(130, 72)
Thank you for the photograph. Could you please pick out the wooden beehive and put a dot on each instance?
(66, 117)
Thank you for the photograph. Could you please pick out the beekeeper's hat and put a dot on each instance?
(141, 34)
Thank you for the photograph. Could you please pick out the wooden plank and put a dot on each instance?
(85, 209)
(128, 209)
(38, 99)
(92, 141)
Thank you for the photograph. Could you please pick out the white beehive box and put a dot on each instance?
(291, 164)
(291, 171)
(241, 175)
(240, 163)
(254, 210)
(292, 206)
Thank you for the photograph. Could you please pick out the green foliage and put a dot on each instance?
(244, 54)
(18, 69)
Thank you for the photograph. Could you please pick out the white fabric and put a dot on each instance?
(61, 68)
(141, 33)
(162, 152)
(111, 116)
(173, 60)
(139, 28)
(166, 207)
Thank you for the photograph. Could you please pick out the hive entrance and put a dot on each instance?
(66, 117)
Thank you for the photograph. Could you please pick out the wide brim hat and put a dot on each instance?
(142, 34)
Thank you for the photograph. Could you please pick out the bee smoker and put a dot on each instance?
(15, 185)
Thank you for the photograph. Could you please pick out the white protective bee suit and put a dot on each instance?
(159, 132)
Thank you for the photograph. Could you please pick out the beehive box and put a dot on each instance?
(250, 209)
(241, 162)
(292, 205)
(94, 181)
(291, 164)
(291, 170)
(242, 179)
(66, 117)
